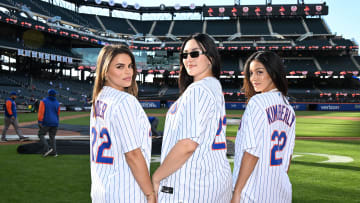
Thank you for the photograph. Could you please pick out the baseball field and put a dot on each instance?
(325, 167)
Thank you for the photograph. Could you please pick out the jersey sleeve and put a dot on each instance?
(125, 125)
(251, 130)
(292, 139)
(8, 107)
(197, 106)
(41, 112)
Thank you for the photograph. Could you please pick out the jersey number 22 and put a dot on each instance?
(105, 145)
(278, 147)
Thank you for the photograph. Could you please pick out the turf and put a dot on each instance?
(31, 178)
(305, 127)
(325, 182)
(27, 117)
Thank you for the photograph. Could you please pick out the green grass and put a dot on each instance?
(27, 117)
(31, 178)
(327, 113)
(325, 182)
(305, 127)
(77, 121)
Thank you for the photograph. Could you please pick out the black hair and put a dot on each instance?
(207, 46)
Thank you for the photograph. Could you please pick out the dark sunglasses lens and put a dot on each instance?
(194, 54)
(184, 55)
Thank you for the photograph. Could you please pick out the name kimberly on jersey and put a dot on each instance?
(280, 112)
(100, 108)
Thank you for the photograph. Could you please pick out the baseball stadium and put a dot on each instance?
(54, 44)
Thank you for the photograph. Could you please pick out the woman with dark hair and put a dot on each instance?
(194, 166)
(266, 137)
(120, 139)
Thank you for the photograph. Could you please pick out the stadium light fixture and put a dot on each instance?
(124, 4)
(192, 6)
(137, 6)
(162, 7)
(98, 1)
(177, 6)
(111, 2)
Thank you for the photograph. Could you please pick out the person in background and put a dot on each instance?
(11, 118)
(48, 120)
(154, 121)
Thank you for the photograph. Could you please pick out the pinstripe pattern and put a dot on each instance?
(206, 175)
(128, 127)
(267, 183)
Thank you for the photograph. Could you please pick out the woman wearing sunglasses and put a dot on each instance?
(194, 166)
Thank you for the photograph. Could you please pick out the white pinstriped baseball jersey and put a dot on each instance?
(267, 131)
(118, 124)
(199, 115)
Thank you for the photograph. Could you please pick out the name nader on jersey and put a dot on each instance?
(280, 112)
(99, 109)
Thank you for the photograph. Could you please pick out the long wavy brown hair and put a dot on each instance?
(274, 68)
(106, 55)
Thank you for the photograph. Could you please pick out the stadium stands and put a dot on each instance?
(317, 26)
(230, 62)
(300, 64)
(161, 28)
(143, 27)
(311, 53)
(336, 63)
(118, 25)
(185, 28)
(221, 28)
(288, 26)
(254, 27)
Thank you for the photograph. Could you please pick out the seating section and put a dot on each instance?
(287, 26)
(218, 27)
(253, 31)
(316, 26)
(91, 19)
(313, 42)
(336, 63)
(357, 58)
(186, 28)
(117, 25)
(300, 65)
(254, 27)
(142, 27)
(51, 10)
(230, 62)
(161, 28)
(343, 42)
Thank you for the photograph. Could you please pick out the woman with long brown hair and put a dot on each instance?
(266, 137)
(120, 139)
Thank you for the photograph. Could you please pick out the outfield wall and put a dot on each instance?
(297, 106)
